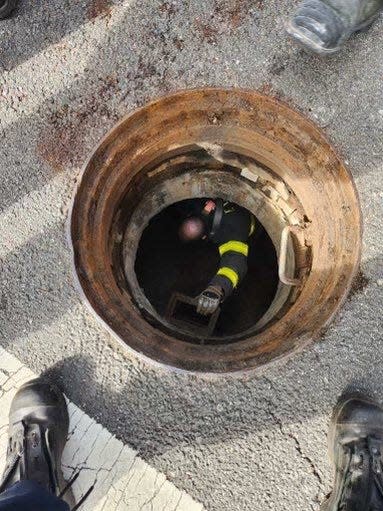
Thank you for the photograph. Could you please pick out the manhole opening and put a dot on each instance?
(164, 265)
(156, 264)
(245, 148)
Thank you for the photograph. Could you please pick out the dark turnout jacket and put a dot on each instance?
(231, 234)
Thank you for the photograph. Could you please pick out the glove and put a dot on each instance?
(209, 300)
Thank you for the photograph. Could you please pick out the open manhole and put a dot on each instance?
(249, 150)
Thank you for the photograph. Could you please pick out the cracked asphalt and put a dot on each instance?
(68, 72)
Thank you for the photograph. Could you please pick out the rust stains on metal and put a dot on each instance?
(267, 89)
(133, 158)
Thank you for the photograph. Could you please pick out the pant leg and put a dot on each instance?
(29, 496)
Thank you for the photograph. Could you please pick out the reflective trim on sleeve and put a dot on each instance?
(252, 225)
(234, 246)
(230, 274)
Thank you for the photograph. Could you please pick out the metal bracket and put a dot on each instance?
(283, 257)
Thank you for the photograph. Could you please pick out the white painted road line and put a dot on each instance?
(123, 481)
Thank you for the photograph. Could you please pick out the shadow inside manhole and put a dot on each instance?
(165, 265)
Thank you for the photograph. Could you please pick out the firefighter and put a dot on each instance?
(322, 26)
(6, 8)
(229, 226)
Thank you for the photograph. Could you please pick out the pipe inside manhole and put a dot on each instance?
(242, 147)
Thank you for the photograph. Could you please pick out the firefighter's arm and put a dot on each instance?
(232, 269)
(233, 266)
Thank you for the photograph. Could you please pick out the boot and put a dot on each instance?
(38, 430)
(322, 26)
(356, 446)
(6, 7)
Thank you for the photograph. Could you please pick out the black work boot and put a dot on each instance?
(38, 430)
(356, 446)
(6, 8)
(322, 26)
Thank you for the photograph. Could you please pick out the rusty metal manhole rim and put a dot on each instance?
(222, 103)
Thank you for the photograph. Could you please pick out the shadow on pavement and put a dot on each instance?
(34, 26)
(156, 410)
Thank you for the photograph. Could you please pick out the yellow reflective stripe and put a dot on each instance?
(234, 246)
(252, 225)
(230, 274)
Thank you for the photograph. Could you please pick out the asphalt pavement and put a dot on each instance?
(68, 72)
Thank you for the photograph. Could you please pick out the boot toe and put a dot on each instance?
(358, 417)
(360, 410)
(38, 401)
(317, 27)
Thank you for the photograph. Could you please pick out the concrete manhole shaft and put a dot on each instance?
(248, 149)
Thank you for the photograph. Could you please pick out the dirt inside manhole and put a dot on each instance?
(245, 148)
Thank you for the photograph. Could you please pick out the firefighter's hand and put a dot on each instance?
(209, 300)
